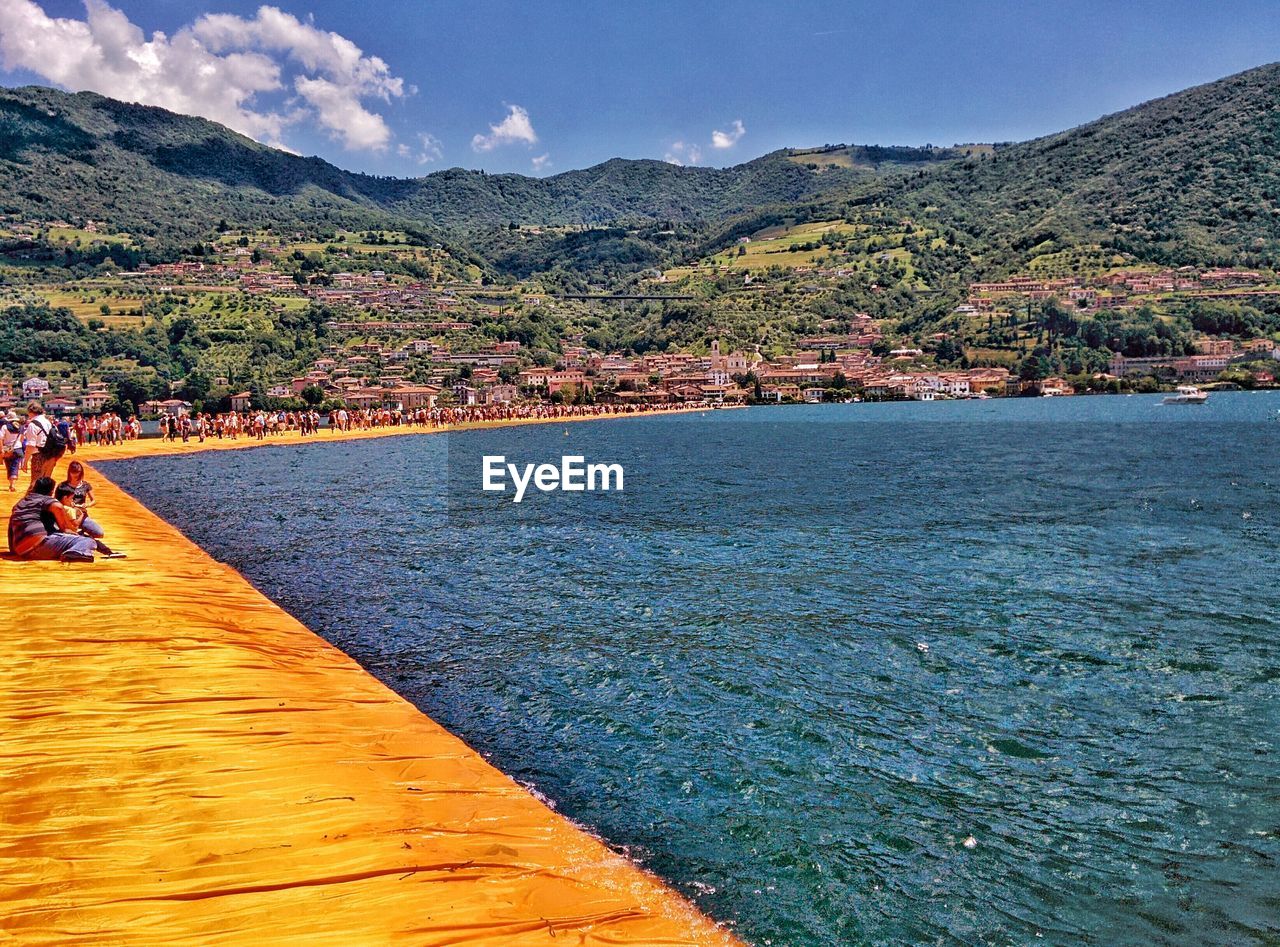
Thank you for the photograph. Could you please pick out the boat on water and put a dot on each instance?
(1186, 394)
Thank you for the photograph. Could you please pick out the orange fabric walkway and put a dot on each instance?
(181, 762)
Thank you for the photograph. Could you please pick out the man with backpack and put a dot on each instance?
(45, 443)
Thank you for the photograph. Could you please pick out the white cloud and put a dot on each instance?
(514, 129)
(541, 162)
(730, 138)
(338, 111)
(219, 67)
(429, 149)
(681, 154)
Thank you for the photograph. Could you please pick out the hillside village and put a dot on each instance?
(391, 338)
(1130, 253)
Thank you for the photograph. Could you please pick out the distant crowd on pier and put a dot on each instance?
(259, 425)
(51, 521)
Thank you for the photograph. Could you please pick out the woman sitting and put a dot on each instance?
(41, 528)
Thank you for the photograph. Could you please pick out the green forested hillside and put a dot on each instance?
(172, 177)
(1193, 178)
(795, 245)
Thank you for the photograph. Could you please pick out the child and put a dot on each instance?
(65, 495)
(81, 487)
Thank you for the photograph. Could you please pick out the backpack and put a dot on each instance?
(14, 447)
(55, 442)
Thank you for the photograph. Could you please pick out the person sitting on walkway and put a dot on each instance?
(41, 528)
(66, 495)
(81, 487)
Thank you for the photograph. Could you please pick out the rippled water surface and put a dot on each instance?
(809, 651)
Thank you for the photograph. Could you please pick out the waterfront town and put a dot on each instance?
(388, 340)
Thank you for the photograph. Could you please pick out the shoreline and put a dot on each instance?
(185, 762)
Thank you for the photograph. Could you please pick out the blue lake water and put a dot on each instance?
(810, 650)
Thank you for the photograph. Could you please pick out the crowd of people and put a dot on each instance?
(343, 419)
(261, 424)
(234, 424)
(19, 438)
(51, 521)
(106, 428)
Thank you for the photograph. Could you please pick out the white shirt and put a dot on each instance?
(35, 432)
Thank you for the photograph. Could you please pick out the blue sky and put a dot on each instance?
(405, 88)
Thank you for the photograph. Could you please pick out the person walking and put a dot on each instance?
(11, 445)
(45, 444)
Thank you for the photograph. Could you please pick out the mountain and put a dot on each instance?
(155, 173)
(1190, 178)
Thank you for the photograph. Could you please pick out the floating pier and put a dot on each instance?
(182, 762)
